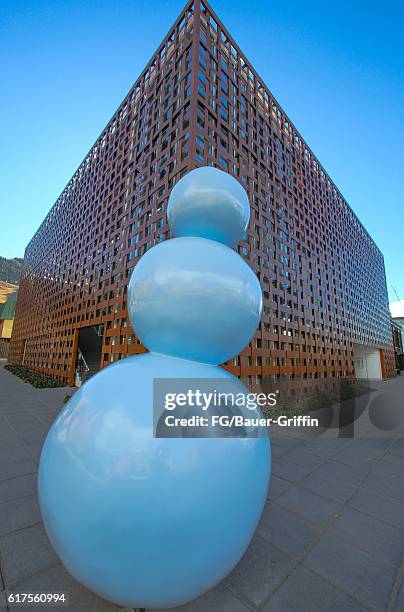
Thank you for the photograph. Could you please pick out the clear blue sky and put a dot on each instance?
(336, 67)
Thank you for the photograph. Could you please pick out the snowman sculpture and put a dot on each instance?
(155, 522)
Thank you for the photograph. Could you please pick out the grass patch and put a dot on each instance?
(37, 380)
(6, 289)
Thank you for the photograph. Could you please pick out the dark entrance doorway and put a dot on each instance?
(89, 351)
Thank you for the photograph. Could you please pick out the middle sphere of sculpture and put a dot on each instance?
(204, 303)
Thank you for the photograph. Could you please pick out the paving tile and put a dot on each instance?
(313, 507)
(277, 486)
(17, 487)
(370, 534)
(335, 480)
(22, 421)
(285, 442)
(25, 553)
(326, 447)
(399, 605)
(374, 446)
(5, 430)
(219, 598)
(356, 457)
(261, 569)
(378, 505)
(295, 465)
(387, 482)
(13, 454)
(299, 455)
(57, 580)
(287, 531)
(277, 450)
(48, 421)
(18, 514)
(365, 578)
(3, 601)
(281, 445)
(388, 470)
(284, 468)
(11, 442)
(35, 451)
(34, 439)
(397, 448)
(305, 591)
(391, 464)
(17, 468)
(46, 411)
(30, 436)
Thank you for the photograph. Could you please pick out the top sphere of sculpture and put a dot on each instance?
(209, 203)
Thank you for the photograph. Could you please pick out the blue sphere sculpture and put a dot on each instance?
(155, 522)
(147, 522)
(209, 203)
(204, 292)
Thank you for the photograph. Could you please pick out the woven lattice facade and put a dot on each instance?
(200, 102)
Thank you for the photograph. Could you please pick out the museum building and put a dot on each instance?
(200, 102)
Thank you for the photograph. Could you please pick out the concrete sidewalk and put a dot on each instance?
(331, 536)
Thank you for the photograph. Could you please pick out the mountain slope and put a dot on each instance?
(10, 270)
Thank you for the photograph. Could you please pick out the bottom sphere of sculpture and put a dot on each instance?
(143, 521)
